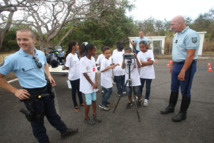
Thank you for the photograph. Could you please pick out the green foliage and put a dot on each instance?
(9, 43)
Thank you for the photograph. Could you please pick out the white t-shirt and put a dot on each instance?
(72, 62)
(146, 72)
(99, 59)
(106, 76)
(133, 71)
(87, 66)
(116, 51)
(117, 58)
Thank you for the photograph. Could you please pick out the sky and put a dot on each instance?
(167, 9)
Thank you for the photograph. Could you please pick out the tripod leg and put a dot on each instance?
(134, 97)
(119, 98)
(116, 104)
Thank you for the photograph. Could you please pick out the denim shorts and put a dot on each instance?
(136, 90)
(90, 97)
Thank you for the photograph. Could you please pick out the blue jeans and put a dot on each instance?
(106, 95)
(187, 83)
(148, 86)
(120, 83)
(136, 90)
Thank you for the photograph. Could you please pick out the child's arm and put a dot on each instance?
(138, 63)
(110, 67)
(95, 86)
(148, 63)
(123, 64)
(89, 80)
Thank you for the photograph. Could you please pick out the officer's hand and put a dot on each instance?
(181, 75)
(170, 70)
(22, 94)
(52, 81)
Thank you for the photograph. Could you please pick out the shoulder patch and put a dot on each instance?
(194, 39)
(1, 64)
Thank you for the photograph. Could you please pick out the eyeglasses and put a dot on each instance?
(38, 64)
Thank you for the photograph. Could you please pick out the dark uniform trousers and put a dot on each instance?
(187, 83)
(46, 107)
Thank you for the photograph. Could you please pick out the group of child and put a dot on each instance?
(83, 76)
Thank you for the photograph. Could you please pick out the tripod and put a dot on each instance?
(129, 82)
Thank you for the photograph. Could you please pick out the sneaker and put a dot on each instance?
(97, 119)
(124, 93)
(146, 102)
(104, 107)
(139, 104)
(129, 105)
(89, 121)
(108, 104)
(69, 132)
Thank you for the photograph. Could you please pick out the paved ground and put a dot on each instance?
(123, 126)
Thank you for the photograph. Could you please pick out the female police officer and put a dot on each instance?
(184, 55)
(29, 65)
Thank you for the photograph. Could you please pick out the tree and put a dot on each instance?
(7, 10)
(111, 25)
(50, 17)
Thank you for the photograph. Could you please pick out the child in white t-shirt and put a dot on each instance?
(134, 76)
(106, 78)
(88, 80)
(72, 64)
(100, 57)
(147, 72)
(119, 73)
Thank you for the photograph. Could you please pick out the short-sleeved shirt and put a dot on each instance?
(116, 51)
(99, 59)
(134, 73)
(25, 68)
(106, 76)
(137, 42)
(117, 58)
(187, 39)
(72, 61)
(146, 72)
(87, 66)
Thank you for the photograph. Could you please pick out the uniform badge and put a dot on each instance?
(1, 64)
(194, 40)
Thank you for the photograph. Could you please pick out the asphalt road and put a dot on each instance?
(122, 126)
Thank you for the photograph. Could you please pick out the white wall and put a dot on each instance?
(162, 39)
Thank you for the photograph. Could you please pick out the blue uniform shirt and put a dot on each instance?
(24, 67)
(187, 39)
(137, 42)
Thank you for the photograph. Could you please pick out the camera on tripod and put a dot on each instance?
(129, 56)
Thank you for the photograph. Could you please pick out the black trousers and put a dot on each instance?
(75, 89)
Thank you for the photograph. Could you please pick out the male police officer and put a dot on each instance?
(29, 65)
(136, 42)
(184, 55)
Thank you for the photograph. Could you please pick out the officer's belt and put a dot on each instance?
(182, 62)
(37, 93)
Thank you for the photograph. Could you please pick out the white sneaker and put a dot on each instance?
(146, 102)
(124, 93)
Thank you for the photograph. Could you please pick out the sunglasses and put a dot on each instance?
(38, 64)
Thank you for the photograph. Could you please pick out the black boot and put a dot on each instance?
(183, 110)
(172, 102)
